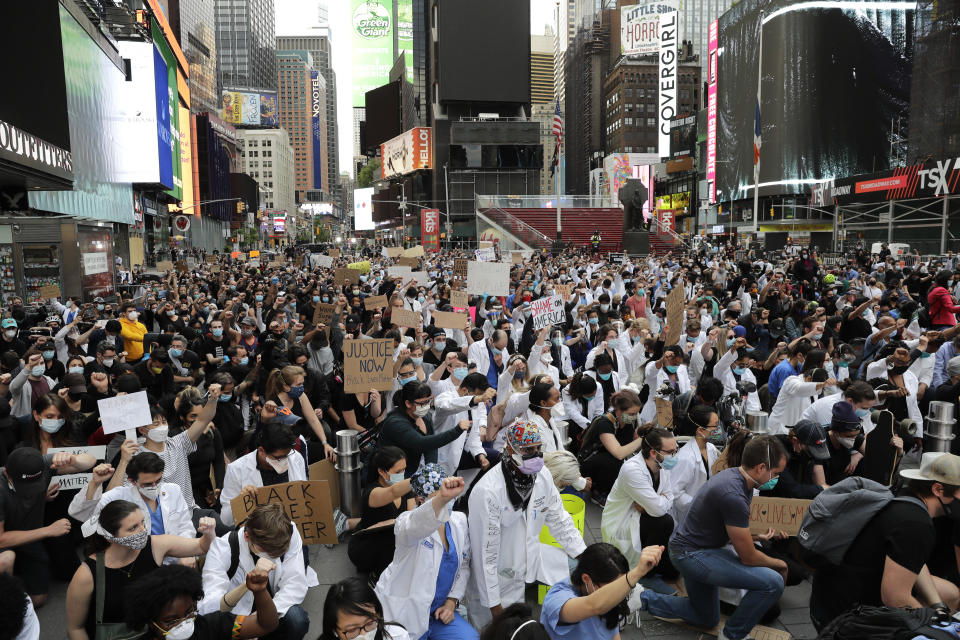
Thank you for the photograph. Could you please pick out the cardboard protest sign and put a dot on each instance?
(413, 252)
(375, 302)
(212, 259)
(459, 299)
(214, 268)
(273, 265)
(347, 275)
(405, 318)
(254, 253)
(165, 265)
(124, 412)
(460, 269)
(616, 258)
(255, 263)
(486, 255)
(393, 252)
(367, 364)
(323, 314)
(780, 514)
(399, 272)
(675, 316)
(334, 253)
(408, 262)
(323, 261)
(327, 472)
(362, 267)
(490, 278)
(447, 320)
(563, 290)
(484, 244)
(516, 257)
(307, 504)
(49, 291)
(71, 481)
(547, 312)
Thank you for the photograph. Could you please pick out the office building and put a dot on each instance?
(294, 95)
(200, 49)
(246, 43)
(541, 68)
(267, 156)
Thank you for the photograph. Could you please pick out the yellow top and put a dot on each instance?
(132, 333)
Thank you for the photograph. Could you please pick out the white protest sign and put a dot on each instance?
(71, 481)
(490, 278)
(323, 261)
(124, 412)
(422, 277)
(547, 312)
(487, 254)
(399, 272)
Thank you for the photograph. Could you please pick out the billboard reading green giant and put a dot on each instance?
(372, 38)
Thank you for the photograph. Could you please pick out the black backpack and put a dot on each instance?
(884, 623)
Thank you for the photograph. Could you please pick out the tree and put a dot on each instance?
(365, 177)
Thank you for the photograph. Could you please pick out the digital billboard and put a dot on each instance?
(363, 209)
(173, 112)
(683, 136)
(249, 109)
(833, 81)
(142, 117)
(410, 151)
(712, 49)
(317, 121)
(620, 167)
(372, 44)
(162, 107)
(405, 35)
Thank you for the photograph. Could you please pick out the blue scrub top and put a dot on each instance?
(448, 571)
(590, 629)
(156, 520)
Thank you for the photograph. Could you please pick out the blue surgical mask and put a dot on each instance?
(672, 368)
(556, 341)
(37, 371)
(817, 336)
(594, 321)
(396, 477)
(176, 353)
(51, 425)
(460, 373)
(48, 355)
(404, 381)
(894, 314)
(258, 298)
(691, 339)
(316, 298)
(99, 307)
(605, 376)
(669, 462)
(417, 361)
(769, 484)
(217, 333)
(496, 351)
(225, 397)
(730, 341)
(75, 370)
(244, 360)
(739, 371)
(862, 412)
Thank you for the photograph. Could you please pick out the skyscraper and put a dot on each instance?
(200, 48)
(695, 19)
(541, 68)
(319, 47)
(246, 44)
(294, 95)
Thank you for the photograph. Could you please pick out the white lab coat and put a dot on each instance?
(622, 371)
(724, 374)
(288, 581)
(655, 378)
(505, 545)
(620, 523)
(688, 476)
(176, 515)
(821, 412)
(598, 400)
(549, 434)
(244, 471)
(451, 408)
(407, 586)
(517, 406)
(794, 397)
(912, 384)
(537, 367)
(574, 408)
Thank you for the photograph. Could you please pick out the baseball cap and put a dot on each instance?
(953, 366)
(844, 417)
(25, 468)
(7, 323)
(739, 331)
(285, 416)
(249, 321)
(75, 383)
(935, 466)
(814, 436)
(353, 320)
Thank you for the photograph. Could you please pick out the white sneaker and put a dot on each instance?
(723, 636)
(635, 602)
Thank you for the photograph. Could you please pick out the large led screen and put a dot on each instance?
(835, 75)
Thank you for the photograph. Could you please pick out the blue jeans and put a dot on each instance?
(294, 625)
(703, 571)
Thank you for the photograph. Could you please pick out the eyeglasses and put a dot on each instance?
(671, 452)
(167, 625)
(353, 632)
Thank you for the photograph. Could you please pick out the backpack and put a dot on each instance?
(837, 516)
(590, 443)
(885, 623)
(234, 539)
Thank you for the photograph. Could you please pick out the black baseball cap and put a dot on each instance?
(814, 436)
(75, 383)
(25, 469)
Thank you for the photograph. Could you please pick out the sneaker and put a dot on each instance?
(635, 603)
(598, 499)
(723, 636)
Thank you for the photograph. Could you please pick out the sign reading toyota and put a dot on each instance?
(408, 152)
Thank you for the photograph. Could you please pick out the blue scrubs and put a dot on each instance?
(156, 521)
(459, 629)
(590, 629)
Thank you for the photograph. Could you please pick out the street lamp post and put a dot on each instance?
(402, 200)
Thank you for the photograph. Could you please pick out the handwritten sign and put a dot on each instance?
(72, 481)
(413, 252)
(375, 302)
(49, 291)
(447, 320)
(367, 364)
(563, 290)
(254, 253)
(405, 318)
(165, 265)
(323, 314)
(273, 265)
(182, 266)
(781, 514)
(393, 252)
(483, 244)
(307, 504)
(399, 272)
(323, 261)
(547, 312)
(362, 267)
(675, 316)
(326, 471)
(347, 275)
(460, 269)
(516, 257)
(421, 277)
(486, 255)
(490, 278)
(212, 259)
(459, 299)
(215, 268)
(334, 253)
(124, 412)
(407, 261)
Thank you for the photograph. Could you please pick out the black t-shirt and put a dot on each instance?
(214, 348)
(15, 513)
(370, 516)
(623, 434)
(189, 364)
(855, 328)
(833, 469)
(901, 531)
(214, 626)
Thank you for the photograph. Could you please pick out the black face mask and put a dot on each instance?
(949, 510)
(899, 370)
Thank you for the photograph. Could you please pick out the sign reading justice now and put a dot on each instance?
(367, 364)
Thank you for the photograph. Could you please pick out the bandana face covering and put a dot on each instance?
(134, 541)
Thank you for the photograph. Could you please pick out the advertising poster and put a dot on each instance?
(231, 106)
(683, 136)
(405, 35)
(669, 29)
(712, 48)
(430, 229)
(639, 28)
(268, 110)
(316, 109)
(173, 112)
(363, 209)
(250, 109)
(96, 247)
(372, 44)
(410, 151)
(163, 119)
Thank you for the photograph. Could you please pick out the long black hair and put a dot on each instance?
(148, 595)
(508, 623)
(354, 596)
(604, 563)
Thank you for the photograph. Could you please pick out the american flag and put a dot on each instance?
(557, 131)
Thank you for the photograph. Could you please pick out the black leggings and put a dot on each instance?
(657, 531)
(603, 468)
(372, 552)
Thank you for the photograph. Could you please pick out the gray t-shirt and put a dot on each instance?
(724, 500)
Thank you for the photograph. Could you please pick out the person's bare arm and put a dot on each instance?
(896, 586)
(79, 593)
(382, 496)
(206, 414)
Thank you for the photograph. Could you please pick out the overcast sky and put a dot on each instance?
(296, 17)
